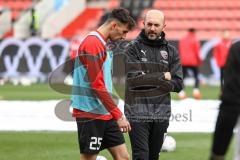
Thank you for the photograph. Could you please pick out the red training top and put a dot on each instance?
(220, 52)
(189, 50)
(93, 46)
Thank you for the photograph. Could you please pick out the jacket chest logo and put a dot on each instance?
(164, 54)
(144, 59)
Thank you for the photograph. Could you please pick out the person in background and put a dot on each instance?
(34, 24)
(189, 51)
(230, 106)
(220, 53)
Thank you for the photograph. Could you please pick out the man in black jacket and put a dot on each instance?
(153, 70)
(230, 106)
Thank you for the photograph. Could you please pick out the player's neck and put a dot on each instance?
(104, 30)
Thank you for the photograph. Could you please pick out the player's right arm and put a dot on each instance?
(93, 55)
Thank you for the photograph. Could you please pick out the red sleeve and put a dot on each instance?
(92, 54)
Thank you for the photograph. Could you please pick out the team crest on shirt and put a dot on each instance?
(164, 54)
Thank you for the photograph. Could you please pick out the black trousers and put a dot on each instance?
(221, 77)
(195, 73)
(226, 121)
(147, 139)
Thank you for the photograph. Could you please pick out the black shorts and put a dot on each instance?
(96, 135)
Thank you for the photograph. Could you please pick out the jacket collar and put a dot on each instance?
(154, 43)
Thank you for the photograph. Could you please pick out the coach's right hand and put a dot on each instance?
(123, 124)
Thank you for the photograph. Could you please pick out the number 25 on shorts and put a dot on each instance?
(95, 143)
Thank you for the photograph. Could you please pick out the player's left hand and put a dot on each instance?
(167, 76)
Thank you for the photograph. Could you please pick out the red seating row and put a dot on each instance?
(207, 16)
(203, 24)
(193, 4)
(202, 14)
(199, 14)
(202, 35)
(177, 34)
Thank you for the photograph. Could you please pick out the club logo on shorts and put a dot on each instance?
(164, 54)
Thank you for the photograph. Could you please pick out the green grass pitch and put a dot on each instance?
(63, 145)
(44, 92)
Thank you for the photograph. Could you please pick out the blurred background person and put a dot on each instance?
(189, 50)
(230, 106)
(34, 24)
(220, 53)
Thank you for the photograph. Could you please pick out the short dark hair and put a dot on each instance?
(123, 16)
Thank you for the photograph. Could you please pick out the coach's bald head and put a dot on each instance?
(154, 23)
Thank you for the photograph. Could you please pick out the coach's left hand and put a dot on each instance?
(167, 76)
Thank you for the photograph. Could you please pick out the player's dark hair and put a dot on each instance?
(123, 16)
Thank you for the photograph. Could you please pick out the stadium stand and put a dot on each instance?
(59, 20)
(43, 9)
(208, 17)
(89, 18)
(136, 6)
(16, 6)
(5, 21)
(83, 23)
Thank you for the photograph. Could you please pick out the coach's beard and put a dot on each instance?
(153, 36)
